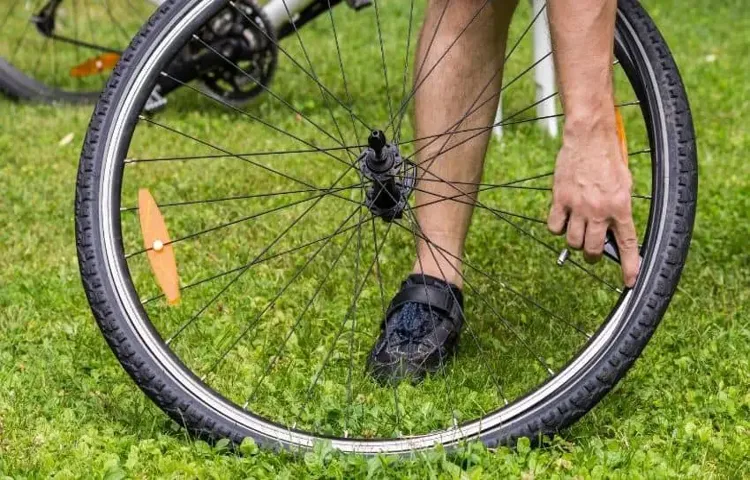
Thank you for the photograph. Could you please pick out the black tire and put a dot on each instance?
(19, 86)
(606, 358)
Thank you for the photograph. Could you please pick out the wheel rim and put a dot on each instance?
(290, 431)
(79, 33)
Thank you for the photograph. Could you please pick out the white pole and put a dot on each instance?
(498, 129)
(544, 75)
(544, 72)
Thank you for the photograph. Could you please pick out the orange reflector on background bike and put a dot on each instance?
(621, 134)
(96, 65)
(159, 250)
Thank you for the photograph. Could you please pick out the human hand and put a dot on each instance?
(592, 193)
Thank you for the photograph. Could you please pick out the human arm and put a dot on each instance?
(592, 184)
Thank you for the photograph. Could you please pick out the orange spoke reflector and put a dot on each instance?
(96, 65)
(621, 135)
(159, 250)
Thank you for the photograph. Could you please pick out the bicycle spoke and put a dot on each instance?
(129, 161)
(432, 41)
(441, 366)
(253, 323)
(312, 70)
(252, 263)
(325, 132)
(343, 72)
(238, 221)
(43, 53)
(535, 238)
(483, 188)
(483, 207)
(640, 152)
(397, 137)
(354, 328)
(310, 75)
(244, 159)
(382, 58)
(444, 150)
(421, 80)
(450, 132)
(20, 40)
(383, 313)
(92, 36)
(482, 130)
(491, 186)
(339, 332)
(75, 37)
(498, 71)
(298, 319)
(506, 123)
(252, 117)
(234, 198)
(504, 321)
(243, 271)
(504, 285)
(124, 33)
(460, 309)
(11, 9)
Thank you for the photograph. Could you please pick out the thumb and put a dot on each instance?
(627, 244)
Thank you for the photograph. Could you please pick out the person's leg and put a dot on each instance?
(445, 95)
(424, 321)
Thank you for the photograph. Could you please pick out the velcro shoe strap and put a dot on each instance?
(438, 299)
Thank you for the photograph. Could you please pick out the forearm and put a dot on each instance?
(592, 184)
(583, 42)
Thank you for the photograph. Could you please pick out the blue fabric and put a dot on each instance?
(412, 321)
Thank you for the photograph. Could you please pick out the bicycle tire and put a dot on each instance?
(19, 86)
(206, 414)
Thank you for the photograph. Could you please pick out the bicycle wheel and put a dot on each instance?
(64, 50)
(283, 270)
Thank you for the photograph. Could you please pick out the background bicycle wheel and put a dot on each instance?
(36, 62)
(67, 388)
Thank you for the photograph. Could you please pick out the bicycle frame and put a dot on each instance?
(284, 15)
(279, 12)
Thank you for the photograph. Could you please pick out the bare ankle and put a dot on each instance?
(448, 273)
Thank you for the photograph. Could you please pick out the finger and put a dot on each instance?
(627, 243)
(593, 245)
(558, 217)
(576, 231)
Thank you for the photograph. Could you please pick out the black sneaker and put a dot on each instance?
(420, 330)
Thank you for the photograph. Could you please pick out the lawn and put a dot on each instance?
(67, 408)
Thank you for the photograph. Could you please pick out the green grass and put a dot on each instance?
(68, 409)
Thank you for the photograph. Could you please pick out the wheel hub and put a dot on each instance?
(382, 164)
